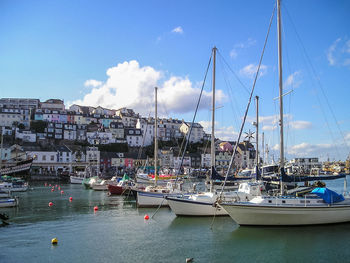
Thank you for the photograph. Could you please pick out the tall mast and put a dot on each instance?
(155, 137)
(212, 153)
(279, 30)
(257, 135)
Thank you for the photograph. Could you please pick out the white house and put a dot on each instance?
(26, 136)
(133, 137)
(197, 133)
(99, 137)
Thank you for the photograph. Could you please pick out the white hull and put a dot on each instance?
(10, 187)
(8, 202)
(151, 199)
(189, 207)
(100, 187)
(76, 180)
(274, 215)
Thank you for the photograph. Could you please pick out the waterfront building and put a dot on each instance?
(303, 165)
(246, 151)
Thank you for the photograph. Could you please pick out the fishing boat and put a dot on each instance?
(321, 206)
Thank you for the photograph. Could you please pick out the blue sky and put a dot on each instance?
(112, 54)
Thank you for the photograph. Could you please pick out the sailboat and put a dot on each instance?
(154, 195)
(203, 204)
(322, 206)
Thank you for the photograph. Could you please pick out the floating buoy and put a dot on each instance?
(96, 208)
(146, 217)
(59, 188)
(50, 204)
(62, 192)
(45, 184)
(70, 199)
(49, 184)
(52, 189)
(54, 241)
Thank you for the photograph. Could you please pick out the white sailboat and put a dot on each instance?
(322, 206)
(154, 195)
(203, 204)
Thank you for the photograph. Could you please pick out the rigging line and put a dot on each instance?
(319, 83)
(194, 117)
(249, 101)
(244, 86)
(231, 97)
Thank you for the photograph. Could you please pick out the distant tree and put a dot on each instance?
(38, 126)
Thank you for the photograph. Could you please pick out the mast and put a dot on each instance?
(279, 30)
(155, 137)
(212, 153)
(2, 142)
(257, 137)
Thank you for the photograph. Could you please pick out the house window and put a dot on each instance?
(52, 158)
(44, 157)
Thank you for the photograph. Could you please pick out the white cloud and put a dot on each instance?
(338, 54)
(308, 150)
(293, 80)
(300, 125)
(242, 45)
(178, 30)
(330, 53)
(92, 83)
(233, 53)
(250, 70)
(224, 133)
(130, 85)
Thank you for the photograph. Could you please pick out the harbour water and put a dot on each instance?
(118, 232)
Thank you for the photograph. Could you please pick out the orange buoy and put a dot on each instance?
(62, 192)
(50, 204)
(52, 189)
(49, 184)
(70, 199)
(146, 217)
(45, 184)
(95, 208)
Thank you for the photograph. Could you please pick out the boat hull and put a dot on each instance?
(247, 214)
(76, 180)
(151, 199)
(8, 202)
(187, 207)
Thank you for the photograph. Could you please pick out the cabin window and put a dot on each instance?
(270, 201)
(283, 201)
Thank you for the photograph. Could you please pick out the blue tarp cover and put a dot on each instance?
(327, 195)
